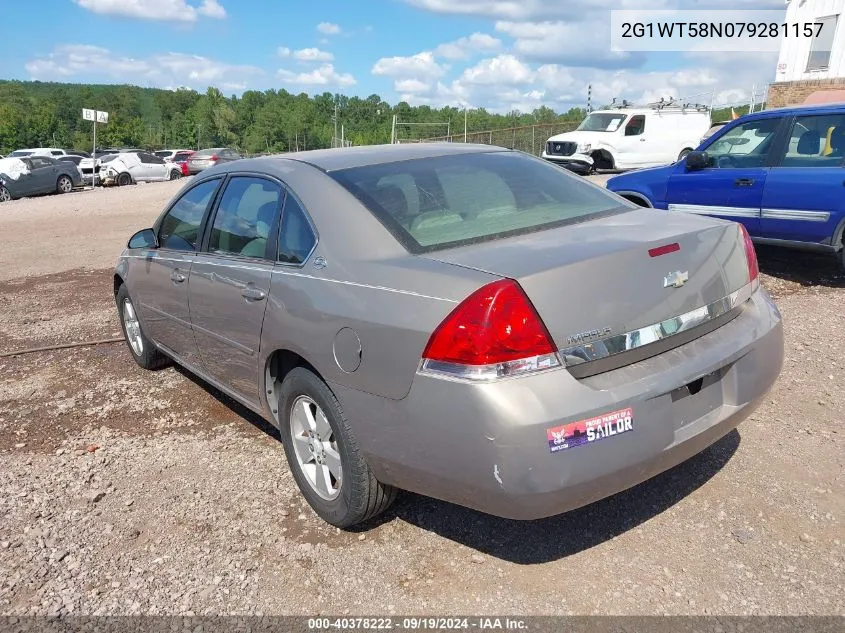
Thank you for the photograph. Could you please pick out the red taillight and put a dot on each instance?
(213, 158)
(750, 255)
(495, 324)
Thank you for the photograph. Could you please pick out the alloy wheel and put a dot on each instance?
(132, 327)
(316, 448)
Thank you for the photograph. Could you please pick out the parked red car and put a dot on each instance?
(181, 159)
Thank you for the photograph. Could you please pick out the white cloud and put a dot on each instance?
(574, 43)
(504, 82)
(163, 70)
(466, 46)
(325, 75)
(328, 28)
(420, 66)
(411, 85)
(212, 9)
(283, 51)
(500, 70)
(312, 55)
(160, 10)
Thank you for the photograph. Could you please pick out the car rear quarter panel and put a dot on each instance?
(390, 299)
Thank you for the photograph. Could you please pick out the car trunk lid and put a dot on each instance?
(610, 277)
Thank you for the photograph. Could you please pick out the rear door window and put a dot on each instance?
(179, 229)
(816, 141)
(296, 238)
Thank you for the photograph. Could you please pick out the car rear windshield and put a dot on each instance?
(163, 154)
(434, 203)
(181, 156)
(20, 152)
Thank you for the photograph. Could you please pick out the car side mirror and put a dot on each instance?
(697, 160)
(144, 239)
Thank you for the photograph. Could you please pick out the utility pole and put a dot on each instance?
(334, 119)
(393, 131)
(465, 124)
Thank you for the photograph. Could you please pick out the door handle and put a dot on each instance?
(177, 277)
(744, 182)
(642, 140)
(253, 294)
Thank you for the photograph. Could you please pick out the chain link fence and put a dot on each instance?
(528, 138)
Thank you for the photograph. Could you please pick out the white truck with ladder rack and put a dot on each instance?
(630, 137)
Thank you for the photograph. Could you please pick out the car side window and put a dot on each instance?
(296, 237)
(816, 141)
(145, 158)
(245, 216)
(57, 153)
(180, 227)
(40, 163)
(635, 126)
(745, 145)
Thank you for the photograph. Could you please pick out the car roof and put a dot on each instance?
(364, 155)
(824, 108)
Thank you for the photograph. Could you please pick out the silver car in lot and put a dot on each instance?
(468, 323)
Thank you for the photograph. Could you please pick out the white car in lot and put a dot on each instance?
(127, 168)
(629, 138)
(37, 151)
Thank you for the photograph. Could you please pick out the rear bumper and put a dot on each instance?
(195, 169)
(487, 447)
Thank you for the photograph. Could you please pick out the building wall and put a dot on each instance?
(795, 52)
(787, 93)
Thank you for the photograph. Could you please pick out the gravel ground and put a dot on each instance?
(126, 492)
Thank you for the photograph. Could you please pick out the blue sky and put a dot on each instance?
(499, 54)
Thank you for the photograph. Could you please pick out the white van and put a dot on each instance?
(630, 138)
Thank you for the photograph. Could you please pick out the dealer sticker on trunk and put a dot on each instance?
(590, 430)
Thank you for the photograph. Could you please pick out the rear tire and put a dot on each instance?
(684, 153)
(842, 258)
(175, 174)
(64, 185)
(5, 196)
(143, 350)
(353, 494)
(124, 179)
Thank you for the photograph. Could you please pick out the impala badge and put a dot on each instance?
(675, 279)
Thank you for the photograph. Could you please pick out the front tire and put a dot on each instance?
(124, 179)
(323, 455)
(145, 353)
(5, 196)
(64, 185)
(175, 174)
(684, 153)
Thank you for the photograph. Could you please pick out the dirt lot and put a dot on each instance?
(124, 491)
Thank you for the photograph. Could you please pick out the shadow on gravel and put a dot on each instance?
(545, 540)
(233, 405)
(804, 268)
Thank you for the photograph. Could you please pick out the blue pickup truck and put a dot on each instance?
(779, 172)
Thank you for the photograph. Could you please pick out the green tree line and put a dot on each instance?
(39, 114)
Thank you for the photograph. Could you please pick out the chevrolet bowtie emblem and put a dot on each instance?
(675, 279)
